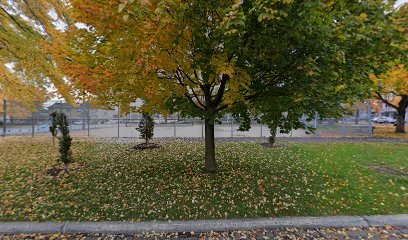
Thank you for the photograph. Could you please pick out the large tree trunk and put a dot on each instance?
(210, 164)
(401, 121)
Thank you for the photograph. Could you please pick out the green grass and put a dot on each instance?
(112, 182)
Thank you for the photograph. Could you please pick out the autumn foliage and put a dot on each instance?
(391, 87)
(275, 60)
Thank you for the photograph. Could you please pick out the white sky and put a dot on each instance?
(400, 2)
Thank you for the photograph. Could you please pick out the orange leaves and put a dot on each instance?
(28, 42)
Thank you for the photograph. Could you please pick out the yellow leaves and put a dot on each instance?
(268, 11)
(310, 73)
(363, 16)
(221, 65)
(230, 32)
(13, 87)
(27, 47)
(121, 7)
(395, 80)
(239, 83)
(340, 87)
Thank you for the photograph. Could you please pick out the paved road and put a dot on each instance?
(285, 233)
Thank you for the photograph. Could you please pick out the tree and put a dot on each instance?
(146, 127)
(208, 58)
(391, 87)
(54, 126)
(27, 31)
(59, 125)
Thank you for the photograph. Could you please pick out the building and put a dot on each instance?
(80, 113)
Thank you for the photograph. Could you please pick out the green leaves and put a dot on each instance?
(59, 124)
(146, 127)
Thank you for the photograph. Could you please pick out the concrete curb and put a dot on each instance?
(202, 225)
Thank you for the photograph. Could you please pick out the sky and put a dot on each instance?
(400, 2)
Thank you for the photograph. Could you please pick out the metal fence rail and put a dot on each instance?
(22, 118)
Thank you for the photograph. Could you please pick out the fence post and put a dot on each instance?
(202, 128)
(88, 119)
(343, 127)
(118, 121)
(261, 129)
(83, 115)
(4, 117)
(316, 124)
(370, 129)
(32, 124)
(232, 127)
(174, 129)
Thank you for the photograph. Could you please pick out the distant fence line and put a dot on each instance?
(19, 118)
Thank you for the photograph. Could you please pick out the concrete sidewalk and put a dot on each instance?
(201, 226)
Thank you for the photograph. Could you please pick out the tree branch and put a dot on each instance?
(221, 89)
(179, 79)
(379, 96)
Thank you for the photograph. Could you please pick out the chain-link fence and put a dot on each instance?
(32, 118)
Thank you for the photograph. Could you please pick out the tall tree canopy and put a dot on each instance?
(27, 30)
(276, 59)
(392, 87)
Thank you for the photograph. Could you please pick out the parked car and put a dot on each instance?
(384, 119)
(78, 123)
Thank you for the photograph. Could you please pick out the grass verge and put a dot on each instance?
(109, 181)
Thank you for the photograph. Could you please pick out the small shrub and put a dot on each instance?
(54, 126)
(60, 128)
(272, 138)
(146, 127)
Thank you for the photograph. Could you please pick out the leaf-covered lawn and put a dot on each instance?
(111, 182)
(388, 131)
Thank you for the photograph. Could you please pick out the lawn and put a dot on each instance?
(109, 181)
(388, 131)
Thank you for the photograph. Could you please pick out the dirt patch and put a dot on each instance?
(57, 170)
(146, 146)
(387, 170)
